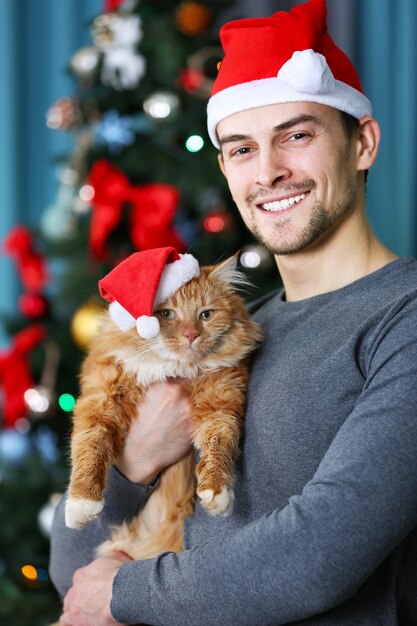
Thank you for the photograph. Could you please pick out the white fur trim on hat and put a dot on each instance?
(122, 318)
(306, 77)
(147, 327)
(175, 275)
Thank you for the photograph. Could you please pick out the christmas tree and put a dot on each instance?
(141, 174)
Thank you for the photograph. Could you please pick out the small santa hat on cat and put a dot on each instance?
(141, 282)
(288, 57)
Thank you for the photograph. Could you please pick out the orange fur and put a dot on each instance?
(117, 371)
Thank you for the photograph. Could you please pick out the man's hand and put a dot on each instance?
(87, 603)
(160, 435)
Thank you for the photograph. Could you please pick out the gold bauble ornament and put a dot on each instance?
(85, 323)
(192, 18)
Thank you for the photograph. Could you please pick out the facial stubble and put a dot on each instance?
(321, 224)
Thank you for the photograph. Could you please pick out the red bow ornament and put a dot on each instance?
(15, 373)
(30, 264)
(111, 5)
(153, 208)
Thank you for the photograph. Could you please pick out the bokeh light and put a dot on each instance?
(194, 143)
(67, 402)
(29, 572)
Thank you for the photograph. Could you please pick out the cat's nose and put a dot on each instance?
(190, 334)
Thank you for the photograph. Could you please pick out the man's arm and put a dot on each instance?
(72, 549)
(317, 551)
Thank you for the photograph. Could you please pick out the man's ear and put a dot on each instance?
(221, 163)
(369, 136)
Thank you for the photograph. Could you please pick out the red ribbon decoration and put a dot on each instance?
(152, 212)
(15, 372)
(111, 5)
(30, 264)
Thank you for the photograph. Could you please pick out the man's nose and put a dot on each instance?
(271, 168)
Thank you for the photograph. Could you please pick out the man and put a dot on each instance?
(324, 525)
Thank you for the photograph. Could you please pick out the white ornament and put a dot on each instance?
(127, 30)
(84, 62)
(122, 68)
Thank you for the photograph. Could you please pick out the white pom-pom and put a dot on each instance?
(307, 72)
(121, 317)
(147, 327)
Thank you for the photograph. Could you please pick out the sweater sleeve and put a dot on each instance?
(71, 549)
(317, 551)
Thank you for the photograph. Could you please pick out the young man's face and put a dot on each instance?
(292, 172)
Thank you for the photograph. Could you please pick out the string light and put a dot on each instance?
(37, 399)
(161, 105)
(32, 573)
(22, 425)
(86, 193)
(29, 572)
(250, 258)
(218, 221)
(254, 256)
(214, 223)
(67, 402)
(194, 143)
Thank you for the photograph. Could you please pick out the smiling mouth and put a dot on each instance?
(285, 203)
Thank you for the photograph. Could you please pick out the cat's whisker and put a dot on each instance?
(145, 351)
(133, 353)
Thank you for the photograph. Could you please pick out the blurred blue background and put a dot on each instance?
(38, 38)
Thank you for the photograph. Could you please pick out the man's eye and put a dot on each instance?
(298, 136)
(241, 151)
(206, 315)
(166, 314)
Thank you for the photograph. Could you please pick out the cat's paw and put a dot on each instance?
(79, 512)
(217, 504)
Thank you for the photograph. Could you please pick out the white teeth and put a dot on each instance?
(280, 205)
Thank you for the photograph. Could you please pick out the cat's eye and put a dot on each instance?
(206, 315)
(167, 314)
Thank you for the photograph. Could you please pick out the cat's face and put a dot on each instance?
(204, 324)
(197, 320)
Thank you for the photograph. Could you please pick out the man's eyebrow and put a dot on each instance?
(232, 138)
(300, 119)
(294, 121)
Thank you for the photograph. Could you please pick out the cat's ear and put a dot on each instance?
(227, 271)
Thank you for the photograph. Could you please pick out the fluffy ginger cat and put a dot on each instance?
(204, 336)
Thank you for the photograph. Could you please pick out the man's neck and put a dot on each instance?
(346, 257)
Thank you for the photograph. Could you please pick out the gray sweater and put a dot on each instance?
(324, 526)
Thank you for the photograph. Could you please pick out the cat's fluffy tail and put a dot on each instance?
(159, 526)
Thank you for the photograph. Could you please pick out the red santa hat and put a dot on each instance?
(289, 57)
(141, 282)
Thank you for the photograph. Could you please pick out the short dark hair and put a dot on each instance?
(350, 124)
(351, 127)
